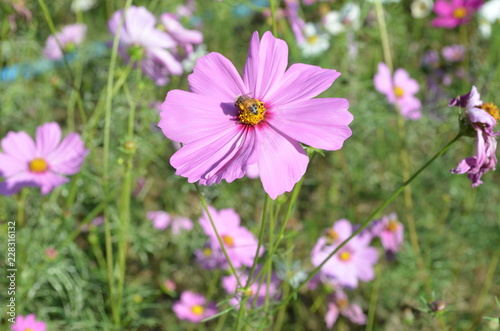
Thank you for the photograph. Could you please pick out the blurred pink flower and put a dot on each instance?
(455, 12)
(29, 322)
(453, 53)
(390, 231)
(353, 261)
(193, 307)
(211, 257)
(69, 37)
(43, 163)
(399, 90)
(339, 304)
(184, 37)
(162, 220)
(51, 253)
(141, 41)
(221, 139)
(478, 121)
(240, 244)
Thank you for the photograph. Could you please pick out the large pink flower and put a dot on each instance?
(43, 163)
(399, 90)
(221, 139)
(455, 12)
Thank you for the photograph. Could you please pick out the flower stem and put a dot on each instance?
(371, 217)
(383, 34)
(273, 17)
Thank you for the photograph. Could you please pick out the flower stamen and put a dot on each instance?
(460, 12)
(251, 111)
(345, 256)
(197, 309)
(38, 166)
(228, 240)
(491, 109)
(399, 92)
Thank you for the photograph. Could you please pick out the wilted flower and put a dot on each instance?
(43, 162)
(421, 8)
(339, 304)
(399, 90)
(222, 138)
(162, 220)
(240, 244)
(70, 36)
(353, 261)
(337, 22)
(453, 53)
(455, 12)
(28, 322)
(141, 41)
(315, 42)
(193, 307)
(478, 121)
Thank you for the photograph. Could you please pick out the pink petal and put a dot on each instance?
(443, 8)
(167, 59)
(332, 314)
(320, 123)
(383, 79)
(301, 82)
(48, 181)
(282, 161)
(14, 183)
(19, 145)
(10, 166)
(266, 63)
(68, 157)
(48, 137)
(343, 228)
(216, 77)
(445, 22)
(403, 80)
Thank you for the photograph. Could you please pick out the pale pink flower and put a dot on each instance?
(41, 163)
(29, 322)
(339, 304)
(453, 53)
(162, 220)
(455, 12)
(184, 37)
(390, 232)
(220, 138)
(70, 36)
(193, 307)
(240, 244)
(351, 263)
(478, 121)
(400, 90)
(141, 41)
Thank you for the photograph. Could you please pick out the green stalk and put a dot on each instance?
(273, 17)
(371, 217)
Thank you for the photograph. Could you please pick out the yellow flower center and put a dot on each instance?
(460, 12)
(312, 39)
(399, 92)
(207, 251)
(228, 240)
(342, 303)
(38, 165)
(332, 234)
(248, 292)
(345, 256)
(491, 109)
(197, 309)
(251, 111)
(392, 226)
(30, 329)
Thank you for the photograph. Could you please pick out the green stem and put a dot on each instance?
(383, 33)
(371, 217)
(373, 300)
(273, 17)
(261, 239)
(21, 206)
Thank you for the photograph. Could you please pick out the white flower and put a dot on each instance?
(82, 5)
(421, 8)
(315, 42)
(488, 14)
(337, 22)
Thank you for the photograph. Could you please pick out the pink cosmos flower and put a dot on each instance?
(141, 41)
(43, 162)
(28, 322)
(193, 307)
(162, 220)
(399, 90)
(339, 304)
(240, 244)
(390, 231)
(478, 121)
(455, 12)
(70, 36)
(352, 262)
(184, 37)
(220, 138)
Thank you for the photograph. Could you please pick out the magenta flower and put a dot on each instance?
(220, 138)
(141, 41)
(240, 244)
(193, 307)
(70, 36)
(43, 163)
(455, 12)
(162, 220)
(390, 231)
(29, 322)
(351, 263)
(478, 121)
(339, 304)
(400, 90)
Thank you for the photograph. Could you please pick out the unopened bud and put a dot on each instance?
(437, 306)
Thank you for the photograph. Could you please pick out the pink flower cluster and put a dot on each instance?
(158, 52)
(478, 120)
(400, 90)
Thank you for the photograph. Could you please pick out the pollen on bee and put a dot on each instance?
(250, 111)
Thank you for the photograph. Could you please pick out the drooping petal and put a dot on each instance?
(48, 137)
(266, 63)
(19, 145)
(320, 123)
(187, 117)
(282, 161)
(301, 82)
(216, 77)
(332, 314)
